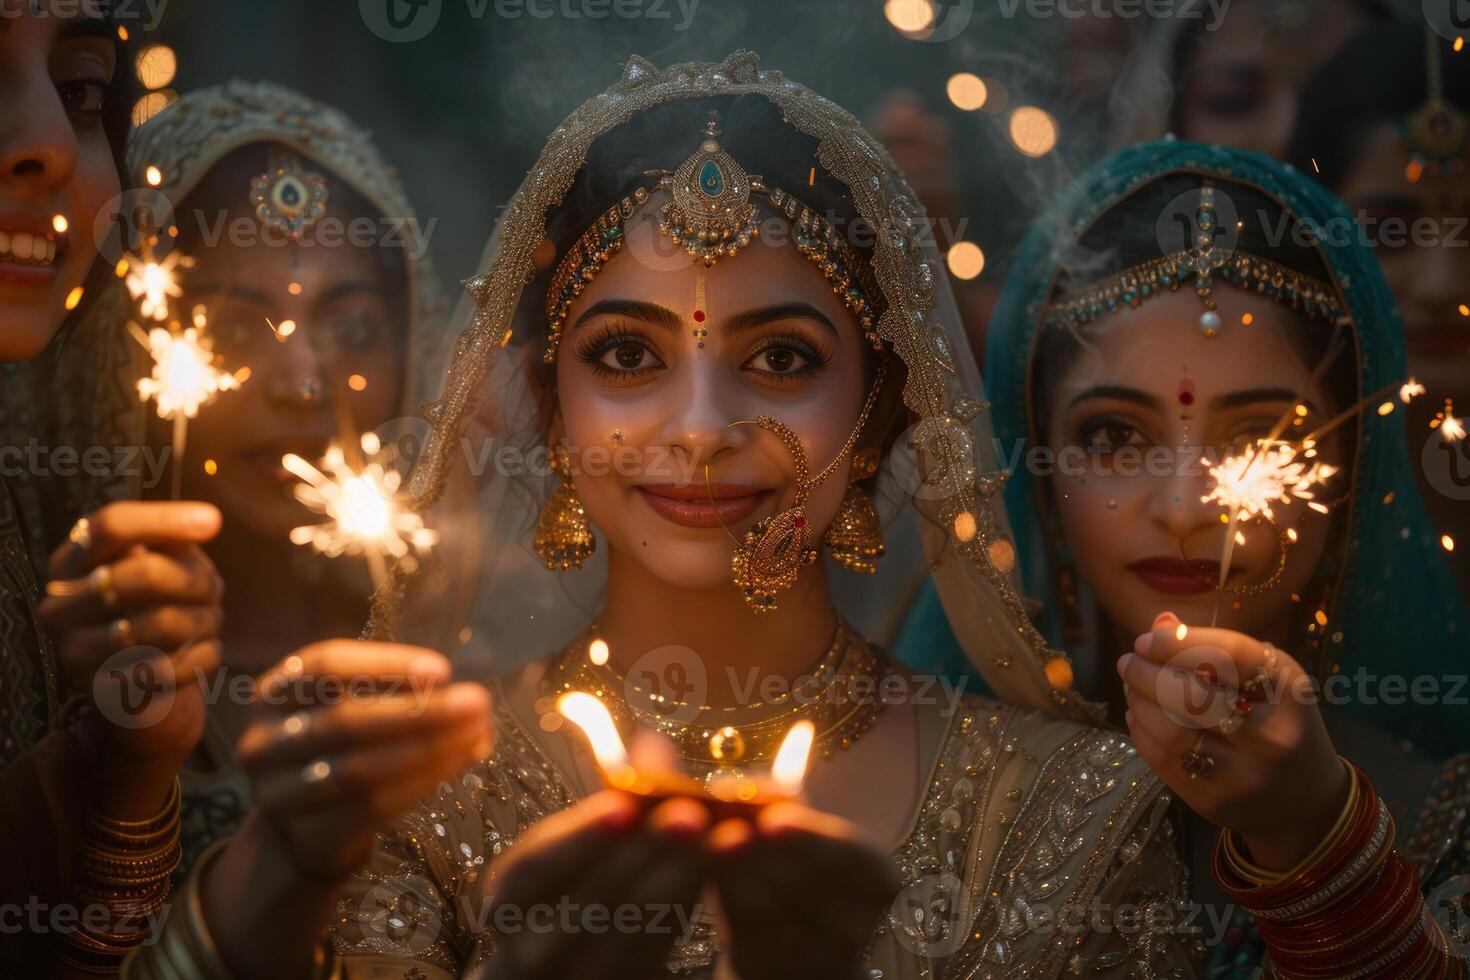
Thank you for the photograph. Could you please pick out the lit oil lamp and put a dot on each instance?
(725, 794)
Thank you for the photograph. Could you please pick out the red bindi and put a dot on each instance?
(1186, 392)
(699, 316)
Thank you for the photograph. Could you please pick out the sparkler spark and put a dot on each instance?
(184, 377)
(364, 512)
(1451, 429)
(1410, 390)
(1251, 482)
(152, 283)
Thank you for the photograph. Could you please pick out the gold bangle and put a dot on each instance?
(145, 828)
(1260, 876)
(185, 949)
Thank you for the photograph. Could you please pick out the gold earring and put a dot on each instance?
(855, 538)
(563, 537)
(770, 555)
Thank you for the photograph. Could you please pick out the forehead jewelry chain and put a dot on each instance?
(771, 554)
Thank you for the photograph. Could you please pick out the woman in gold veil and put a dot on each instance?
(710, 336)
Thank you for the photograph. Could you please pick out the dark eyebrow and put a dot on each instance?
(651, 313)
(1251, 396)
(751, 319)
(86, 26)
(1118, 392)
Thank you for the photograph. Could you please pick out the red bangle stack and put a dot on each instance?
(1351, 910)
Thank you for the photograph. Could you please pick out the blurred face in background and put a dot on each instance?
(1240, 83)
(55, 160)
(320, 326)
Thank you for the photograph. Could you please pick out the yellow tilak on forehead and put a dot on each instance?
(711, 215)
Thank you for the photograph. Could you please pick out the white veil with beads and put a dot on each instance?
(937, 490)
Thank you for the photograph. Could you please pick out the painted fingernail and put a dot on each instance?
(1165, 618)
(1143, 644)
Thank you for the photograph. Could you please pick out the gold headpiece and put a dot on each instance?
(288, 197)
(1201, 263)
(1436, 134)
(711, 214)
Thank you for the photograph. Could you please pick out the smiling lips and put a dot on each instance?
(1176, 576)
(30, 249)
(691, 506)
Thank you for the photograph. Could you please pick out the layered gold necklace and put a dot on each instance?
(840, 696)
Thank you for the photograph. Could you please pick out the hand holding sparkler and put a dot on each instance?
(1231, 724)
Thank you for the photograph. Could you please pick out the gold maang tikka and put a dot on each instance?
(288, 197)
(1437, 134)
(712, 215)
(771, 554)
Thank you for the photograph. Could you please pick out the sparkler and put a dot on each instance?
(1250, 483)
(184, 378)
(1451, 429)
(153, 284)
(360, 499)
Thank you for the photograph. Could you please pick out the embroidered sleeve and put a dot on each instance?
(1140, 923)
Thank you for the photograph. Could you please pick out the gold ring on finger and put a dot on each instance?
(120, 631)
(81, 534)
(102, 584)
(1195, 762)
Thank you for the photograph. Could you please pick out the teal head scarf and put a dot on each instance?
(1395, 611)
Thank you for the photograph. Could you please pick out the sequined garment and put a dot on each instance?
(1025, 822)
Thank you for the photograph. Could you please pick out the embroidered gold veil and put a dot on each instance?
(946, 467)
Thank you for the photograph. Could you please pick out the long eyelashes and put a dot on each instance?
(596, 347)
(778, 359)
(814, 359)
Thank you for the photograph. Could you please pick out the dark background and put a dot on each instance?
(463, 110)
